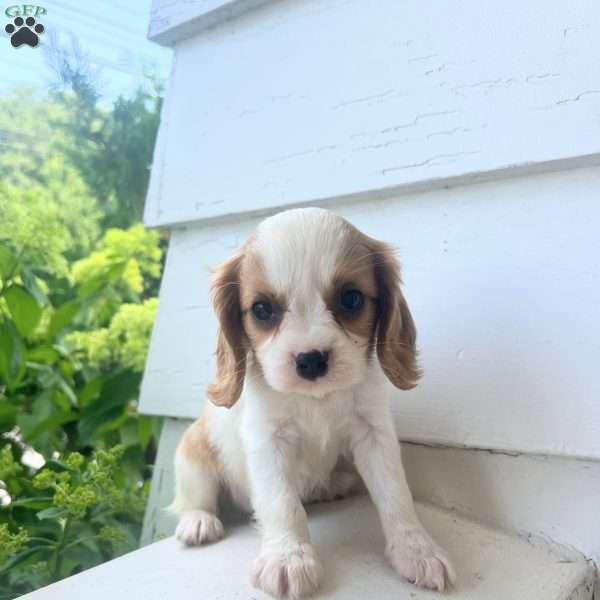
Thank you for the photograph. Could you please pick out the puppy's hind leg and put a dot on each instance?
(197, 480)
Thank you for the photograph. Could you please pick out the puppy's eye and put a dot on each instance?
(263, 311)
(352, 300)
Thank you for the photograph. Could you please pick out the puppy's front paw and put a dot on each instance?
(292, 573)
(198, 527)
(419, 559)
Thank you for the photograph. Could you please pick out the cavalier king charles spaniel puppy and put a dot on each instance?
(313, 327)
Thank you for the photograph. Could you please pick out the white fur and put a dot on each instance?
(279, 444)
(300, 250)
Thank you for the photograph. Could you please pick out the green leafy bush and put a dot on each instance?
(46, 208)
(72, 350)
(78, 283)
(71, 515)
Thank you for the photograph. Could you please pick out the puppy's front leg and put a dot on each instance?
(287, 565)
(409, 547)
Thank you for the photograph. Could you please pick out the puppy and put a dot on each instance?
(312, 326)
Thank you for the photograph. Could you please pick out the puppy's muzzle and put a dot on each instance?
(311, 365)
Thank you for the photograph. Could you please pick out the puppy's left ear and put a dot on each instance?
(231, 341)
(396, 332)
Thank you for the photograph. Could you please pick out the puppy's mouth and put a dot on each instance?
(326, 388)
(337, 378)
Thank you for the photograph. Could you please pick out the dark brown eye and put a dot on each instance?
(262, 311)
(352, 300)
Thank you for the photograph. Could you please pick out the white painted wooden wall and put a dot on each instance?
(467, 134)
(305, 100)
(502, 278)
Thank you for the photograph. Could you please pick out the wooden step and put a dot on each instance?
(491, 564)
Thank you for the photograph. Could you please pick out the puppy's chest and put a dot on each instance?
(315, 443)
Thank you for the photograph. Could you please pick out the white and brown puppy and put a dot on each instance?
(312, 325)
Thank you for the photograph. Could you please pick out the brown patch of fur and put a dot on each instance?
(355, 271)
(196, 446)
(232, 346)
(255, 288)
(371, 266)
(396, 331)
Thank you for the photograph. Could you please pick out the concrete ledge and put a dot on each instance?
(491, 565)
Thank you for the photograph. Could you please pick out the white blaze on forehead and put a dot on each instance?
(300, 250)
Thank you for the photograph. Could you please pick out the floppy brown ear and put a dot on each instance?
(231, 341)
(396, 332)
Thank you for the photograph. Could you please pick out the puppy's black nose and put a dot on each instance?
(311, 365)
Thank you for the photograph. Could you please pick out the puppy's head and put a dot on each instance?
(313, 299)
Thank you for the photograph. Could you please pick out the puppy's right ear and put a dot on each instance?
(231, 341)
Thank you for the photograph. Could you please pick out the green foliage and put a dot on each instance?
(123, 342)
(75, 513)
(70, 367)
(53, 348)
(78, 280)
(135, 252)
(115, 148)
(46, 208)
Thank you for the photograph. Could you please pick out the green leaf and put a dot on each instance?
(129, 432)
(8, 413)
(24, 309)
(109, 408)
(52, 379)
(54, 512)
(43, 354)
(12, 354)
(62, 317)
(30, 281)
(110, 276)
(39, 503)
(108, 411)
(8, 262)
(56, 465)
(45, 416)
(21, 557)
(90, 391)
(68, 565)
(91, 544)
(93, 425)
(119, 389)
(144, 430)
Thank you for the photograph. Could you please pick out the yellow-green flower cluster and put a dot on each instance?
(74, 460)
(75, 499)
(9, 467)
(94, 344)
(129, 333)
(114, 535)
(10, 543)
(125, 341)
(84, 486)
(47, 478)
(136, 248)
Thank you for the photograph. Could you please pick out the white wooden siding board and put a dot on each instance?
(517, 492)
(172, 20)
(158, 521)
(489, 487)
(502, 278)
(299, 101)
